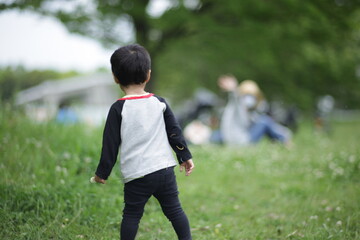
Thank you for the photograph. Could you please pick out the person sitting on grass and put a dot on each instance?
(144, 128)
(244, 120)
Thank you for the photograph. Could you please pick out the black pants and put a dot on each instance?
(162, 185)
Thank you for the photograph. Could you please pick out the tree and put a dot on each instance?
(106, 21)
(296, 50)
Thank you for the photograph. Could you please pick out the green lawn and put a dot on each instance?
(311, 191)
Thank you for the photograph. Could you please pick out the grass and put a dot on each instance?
(311, 191)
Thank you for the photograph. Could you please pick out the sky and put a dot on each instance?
(39, 42)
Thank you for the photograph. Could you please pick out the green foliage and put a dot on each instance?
(13, 79)
(310, 191)
(295, 50)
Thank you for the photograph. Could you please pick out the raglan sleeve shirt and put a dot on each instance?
(112, 138)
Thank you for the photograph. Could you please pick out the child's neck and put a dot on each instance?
(134, 89)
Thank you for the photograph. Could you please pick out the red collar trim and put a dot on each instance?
(137, 97)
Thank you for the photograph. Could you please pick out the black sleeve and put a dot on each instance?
(175, 135)
(110, 144)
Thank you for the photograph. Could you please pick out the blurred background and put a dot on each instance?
(303, 58)
(56, 53)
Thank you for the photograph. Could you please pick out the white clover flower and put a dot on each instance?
(338, 171)
(87, 159)
(332, 165)
(338, 223)
(328, 209)
(351, 159)
(315, 217)
(338, 209)
(66, 155)
(318, 173)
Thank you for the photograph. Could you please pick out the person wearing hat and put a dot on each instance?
(244, 120)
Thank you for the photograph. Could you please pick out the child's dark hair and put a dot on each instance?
(130, 64)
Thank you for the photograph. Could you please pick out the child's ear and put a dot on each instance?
(148, 76)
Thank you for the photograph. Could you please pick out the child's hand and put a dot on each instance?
(99, 180)
(188, 165)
